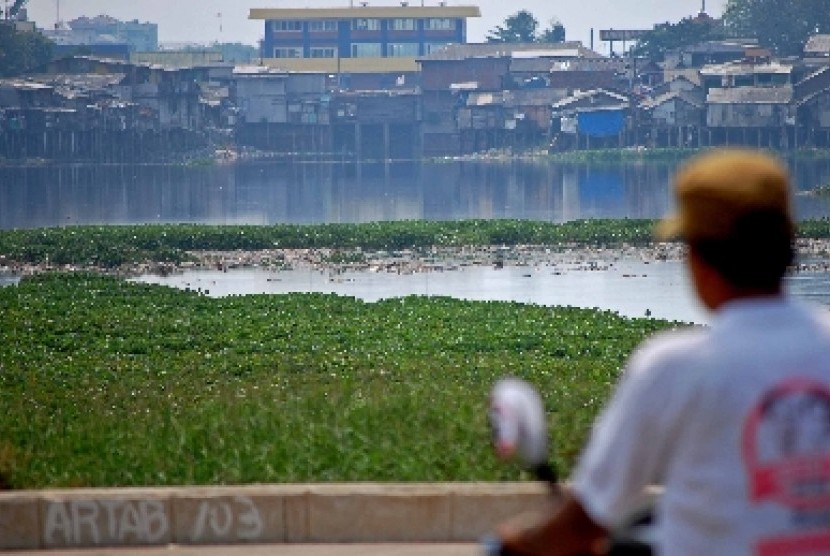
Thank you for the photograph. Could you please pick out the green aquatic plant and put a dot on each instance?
(114, 246)
(118, 383)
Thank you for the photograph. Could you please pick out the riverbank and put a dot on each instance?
(405, 261)
(813, 256)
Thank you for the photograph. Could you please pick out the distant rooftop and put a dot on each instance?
(571, 49)
(818, 45)
(739, 68)
(402, 11)
(751, 95)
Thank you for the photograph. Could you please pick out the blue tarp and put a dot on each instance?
(601, 123)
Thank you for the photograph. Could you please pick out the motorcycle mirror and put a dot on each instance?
(517, 423)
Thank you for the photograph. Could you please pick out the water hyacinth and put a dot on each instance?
(107, 382)
(118, 383)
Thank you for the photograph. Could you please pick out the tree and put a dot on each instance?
(519, 27)
(22, 51)
(781, 25)
(666, 37)
(554, 33)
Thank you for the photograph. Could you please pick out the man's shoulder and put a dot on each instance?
(671, 346)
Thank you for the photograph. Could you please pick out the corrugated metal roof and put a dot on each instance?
(818, 44)
(651, 103)
(737, 68)
(809, 98)
(576, 97)
(720, 46)
(532, 97)
(484, 99)
(24, 85)
(546, 53)
(345, 65)
(497, 50)
(751, 95)
(364, 11)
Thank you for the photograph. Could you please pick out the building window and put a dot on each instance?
(323, 25)
(431, 47)
(323, 52)
(366, 50)
(288, 53)
(366, 25)
(402, 50)
(402, 24)
(439, 24)
(288, 26)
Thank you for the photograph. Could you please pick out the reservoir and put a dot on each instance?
(266, 193)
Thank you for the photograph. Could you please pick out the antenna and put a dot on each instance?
(219, 15)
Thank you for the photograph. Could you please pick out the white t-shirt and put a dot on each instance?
(734, 421)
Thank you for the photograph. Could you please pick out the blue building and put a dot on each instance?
(359, 39)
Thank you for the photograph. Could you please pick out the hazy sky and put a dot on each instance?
(200, 20)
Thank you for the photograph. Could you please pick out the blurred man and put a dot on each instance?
(732, 419)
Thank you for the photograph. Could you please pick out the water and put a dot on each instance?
(628, 287)
(632, 288)
(272, 193)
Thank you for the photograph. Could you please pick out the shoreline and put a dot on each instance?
(813, 255)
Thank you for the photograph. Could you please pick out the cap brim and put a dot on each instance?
(668, 229)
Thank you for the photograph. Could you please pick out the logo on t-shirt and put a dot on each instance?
(786, 446)
(786, 449)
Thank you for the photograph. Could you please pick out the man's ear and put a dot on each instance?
(712, 289)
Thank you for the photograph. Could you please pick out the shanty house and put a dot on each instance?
(671, 119)
(589, 119)
(817, 50)
(751, 115)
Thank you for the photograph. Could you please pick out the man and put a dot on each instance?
(732, 419)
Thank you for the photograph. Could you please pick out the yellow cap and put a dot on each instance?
(718, 188)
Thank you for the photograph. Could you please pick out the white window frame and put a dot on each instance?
(367, 50)
(284, 52)
(322, 25)
(402, 50)
(402, 24)
(431, 47)
(326, 51)
(287, 26)
(439, 24)
(366, 24)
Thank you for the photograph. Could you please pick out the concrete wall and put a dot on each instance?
(311, 513)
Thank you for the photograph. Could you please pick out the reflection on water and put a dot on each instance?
(271, 193)
(630, 288)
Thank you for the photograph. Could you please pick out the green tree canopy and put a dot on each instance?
(21, 52)
(554, 33)
(782, 25)
(519, 27)
(666, 37)
(522, 27)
